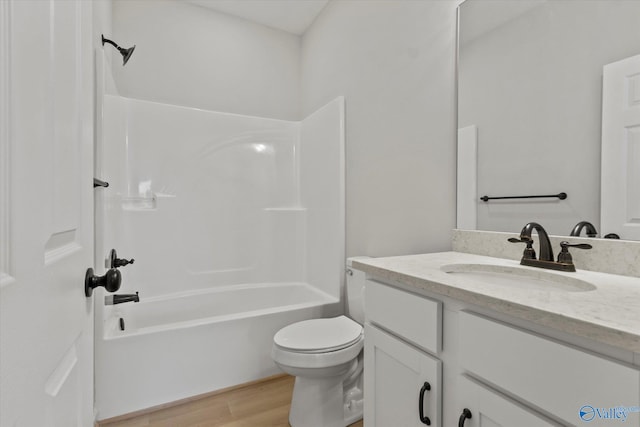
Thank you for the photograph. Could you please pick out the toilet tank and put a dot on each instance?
(355, 291)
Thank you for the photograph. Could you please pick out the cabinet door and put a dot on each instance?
(490, 409)
(395, 377)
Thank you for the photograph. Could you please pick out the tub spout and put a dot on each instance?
(119, 299)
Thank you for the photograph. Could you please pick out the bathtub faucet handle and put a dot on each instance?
(121, 262)
(116, 262)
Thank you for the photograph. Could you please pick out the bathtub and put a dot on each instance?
(177, 346)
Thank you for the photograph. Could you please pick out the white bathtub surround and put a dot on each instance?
(219, 199)
(178, 346)
(236, 224)
(607, 255)
(194, 308)
(322, 193)
(213, 198)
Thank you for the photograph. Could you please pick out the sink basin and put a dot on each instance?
(518, 277)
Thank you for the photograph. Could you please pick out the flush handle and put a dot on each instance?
(423, 418)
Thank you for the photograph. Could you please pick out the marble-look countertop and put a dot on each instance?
(608, 313)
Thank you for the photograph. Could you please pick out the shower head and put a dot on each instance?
(126, 53)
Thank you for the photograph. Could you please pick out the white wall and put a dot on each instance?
(192, 56)
(394, 61)
(102, 21)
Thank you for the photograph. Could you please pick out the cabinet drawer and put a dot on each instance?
(410, 316)
(555, 377)
(490, 408)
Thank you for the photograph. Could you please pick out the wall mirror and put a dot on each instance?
(530, 97)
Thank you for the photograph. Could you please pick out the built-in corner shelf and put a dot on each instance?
(143, 203)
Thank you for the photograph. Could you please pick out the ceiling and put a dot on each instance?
(293, 16)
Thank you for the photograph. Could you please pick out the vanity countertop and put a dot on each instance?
(609, 314)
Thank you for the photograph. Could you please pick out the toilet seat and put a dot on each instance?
(319, 360)
(319, 335)
(318, 343)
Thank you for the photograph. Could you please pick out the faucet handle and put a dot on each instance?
(115, 262)
(564, 256)
(526, 240)
(529, 252)
(565, 244)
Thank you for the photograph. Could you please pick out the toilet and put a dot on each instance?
(326, 357)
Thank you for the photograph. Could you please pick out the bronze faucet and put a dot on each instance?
(589, 229)
(546, 260)
(546, 251)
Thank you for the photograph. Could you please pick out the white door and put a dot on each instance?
(395, 381)
(46, 209)
(491, 409)
(620, 199)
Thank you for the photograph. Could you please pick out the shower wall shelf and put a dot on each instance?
(561, 196)
(138, 203)
(144, 203)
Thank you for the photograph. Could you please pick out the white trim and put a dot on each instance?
(5, 143)
(467, 180)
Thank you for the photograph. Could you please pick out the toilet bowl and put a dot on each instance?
(325, 356)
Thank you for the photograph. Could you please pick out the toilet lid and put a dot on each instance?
(319, 334)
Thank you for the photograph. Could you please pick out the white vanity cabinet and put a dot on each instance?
(403, 382)
(564, 381)
(503, 374)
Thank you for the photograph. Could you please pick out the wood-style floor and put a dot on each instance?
(260, 404)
